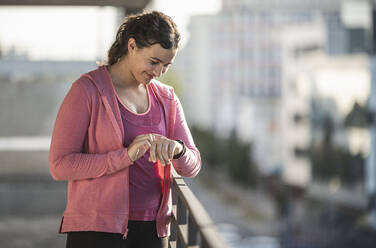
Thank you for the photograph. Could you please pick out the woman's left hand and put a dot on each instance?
(163, 149)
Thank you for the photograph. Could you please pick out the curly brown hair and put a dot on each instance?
(147, 28)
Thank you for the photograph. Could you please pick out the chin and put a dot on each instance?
(148, 81)
(143, 80)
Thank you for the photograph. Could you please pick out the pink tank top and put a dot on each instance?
(145, 178)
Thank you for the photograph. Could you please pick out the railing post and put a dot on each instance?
(192, 231)
(179, 243)
(204, 244)
(182, 213)
(174, 230)
(182, 220)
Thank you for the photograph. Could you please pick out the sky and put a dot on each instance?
(347, 92)
(80, 33)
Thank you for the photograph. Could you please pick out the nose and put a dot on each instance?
(158, 71)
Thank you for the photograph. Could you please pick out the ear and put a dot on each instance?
(132, 46)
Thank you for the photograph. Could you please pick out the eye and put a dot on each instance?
(153, 62)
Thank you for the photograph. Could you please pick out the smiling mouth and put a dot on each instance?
(149, 76)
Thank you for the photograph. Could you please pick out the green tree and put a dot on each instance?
(227, 154)
(330, 161)
(171, 78)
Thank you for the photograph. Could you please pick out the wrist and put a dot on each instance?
(182, 152)
(132, 159)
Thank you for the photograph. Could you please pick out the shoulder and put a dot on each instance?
(84, 83)
(163, 90)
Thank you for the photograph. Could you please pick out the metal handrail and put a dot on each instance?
(191, 226)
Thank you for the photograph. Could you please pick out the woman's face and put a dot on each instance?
(149, 62)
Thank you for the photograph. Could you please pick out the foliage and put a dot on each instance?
(359, 116)
(330, 161)
(172, 78)
(228, 154)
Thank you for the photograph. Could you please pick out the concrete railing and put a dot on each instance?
(191, 225)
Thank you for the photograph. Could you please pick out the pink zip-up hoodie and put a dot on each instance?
(87, 151)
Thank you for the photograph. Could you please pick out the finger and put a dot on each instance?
(133, 156)
(171, 150)
(150, 155)
(152, 152)
(140, 149)
(142, 143)
(165, 155)
(136, 155)
(143, 137)
(151, 136)
(158, 137)
(145, 146)
(163, 162)
(159, 152)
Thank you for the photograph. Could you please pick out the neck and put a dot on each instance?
(121, 75)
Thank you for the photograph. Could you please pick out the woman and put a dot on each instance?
(116, 135)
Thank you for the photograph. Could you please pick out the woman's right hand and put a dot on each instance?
(139, 146)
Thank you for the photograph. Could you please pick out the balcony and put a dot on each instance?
(191, 225)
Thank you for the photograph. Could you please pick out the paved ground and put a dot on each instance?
(239, 213)
(39, 231)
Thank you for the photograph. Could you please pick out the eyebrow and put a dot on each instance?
(160, 60)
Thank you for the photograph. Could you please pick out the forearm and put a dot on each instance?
(77, 166)
(189, 164)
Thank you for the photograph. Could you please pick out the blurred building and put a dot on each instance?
(32, 91)
(349, 27)
(242, 70)
(371, 160)
(235, 73)
(348, 22)
(295, 106)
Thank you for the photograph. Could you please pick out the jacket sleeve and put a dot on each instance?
(189, 164)
(67, 160)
